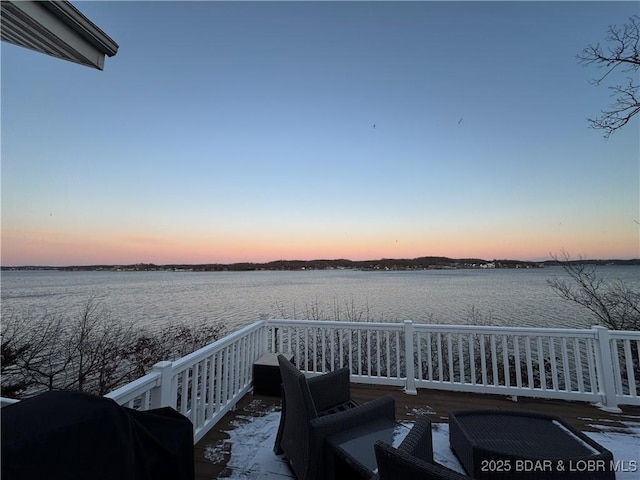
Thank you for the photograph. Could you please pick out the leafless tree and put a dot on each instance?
(622, 54)
(31, 354)
(615, 304)
(89, 352)
(170, 343)
(100, 347)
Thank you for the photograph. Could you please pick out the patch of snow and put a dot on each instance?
(251, 441)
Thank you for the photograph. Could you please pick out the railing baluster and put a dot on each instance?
(419, 354)
(541, 366)
(554, 362)
(332, 344)
(202, 391)
(315, 349)
(530, 379)
(591, 353)
(398, 362)
(377, 346)
(228, 367)
(340, 333)
(351, 351)
(323, 344)
(516, 361)
(615, 360)
(565, 365)
(211, 385)
(388, 353)
(184, 403)
(483, 359)
(246, 374)
(629, 366)
(494, 361)
(461, 357)
(450, 357)
(219, 380)
(472, 358)
(288, 349)
(439, 356)
(359, 352)
(429, 358)
(368, 352)
(577, 358)
(505, 361)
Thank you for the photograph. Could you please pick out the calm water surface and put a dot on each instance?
(500, 297)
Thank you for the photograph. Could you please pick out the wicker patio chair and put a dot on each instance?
(303, 430)
(413, 459)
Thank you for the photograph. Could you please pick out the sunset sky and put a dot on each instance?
(227, 132)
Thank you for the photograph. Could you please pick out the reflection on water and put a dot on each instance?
(497, 297)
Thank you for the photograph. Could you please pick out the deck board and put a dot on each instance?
(435, 403)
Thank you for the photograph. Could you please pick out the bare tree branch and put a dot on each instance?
(615, 305)
(623, 54)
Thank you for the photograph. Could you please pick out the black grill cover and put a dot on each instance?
(70, 435)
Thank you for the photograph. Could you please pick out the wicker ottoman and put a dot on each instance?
(504, 444)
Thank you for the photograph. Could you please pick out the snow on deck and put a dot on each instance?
(242, 449)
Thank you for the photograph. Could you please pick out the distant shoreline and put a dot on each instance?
(384, 264)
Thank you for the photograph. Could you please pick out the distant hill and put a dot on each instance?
(420, 263)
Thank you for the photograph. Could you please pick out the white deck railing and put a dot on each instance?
(594, 365)
(203, 385)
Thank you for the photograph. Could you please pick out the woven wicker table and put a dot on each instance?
(354, 456)
(504, 444)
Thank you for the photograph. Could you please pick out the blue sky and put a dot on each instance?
(237, 131)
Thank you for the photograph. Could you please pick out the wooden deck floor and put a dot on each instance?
(436, 404)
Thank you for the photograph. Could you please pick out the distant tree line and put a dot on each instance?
(420, 263)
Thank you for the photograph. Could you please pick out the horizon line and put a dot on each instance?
(382, 259)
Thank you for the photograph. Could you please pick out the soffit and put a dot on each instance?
(57, 29)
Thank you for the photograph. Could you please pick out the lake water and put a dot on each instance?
(518, 297)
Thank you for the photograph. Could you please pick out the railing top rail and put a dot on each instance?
(135, 388)
(532, 331)
(492, 329)
(194, 357)
(625, 334)
(336, 324)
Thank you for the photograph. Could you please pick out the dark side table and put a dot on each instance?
(266, 374)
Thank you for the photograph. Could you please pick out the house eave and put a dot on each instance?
(57, 29)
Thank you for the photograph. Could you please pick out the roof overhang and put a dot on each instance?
(56, 28)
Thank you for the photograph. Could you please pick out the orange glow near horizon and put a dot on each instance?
(59, 248)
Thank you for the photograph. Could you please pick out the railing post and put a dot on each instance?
(162, 395)
(264, 333)
(605, 370)
(410, 381)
